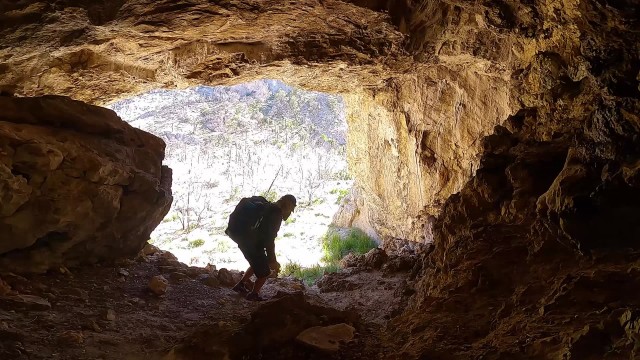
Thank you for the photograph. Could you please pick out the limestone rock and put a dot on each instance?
(398, 263)
(326, 338)
(71, 337)
(60, 48)
(352, 213)
(158, 285)
(375, 258)
(210, 268)
(123, 272)
(352, 260)
(149, 249)
(226, 277)
(281, 287)
(78, 184)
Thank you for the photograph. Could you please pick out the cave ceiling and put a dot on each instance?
(102, 51)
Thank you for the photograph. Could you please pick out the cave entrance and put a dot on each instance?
(229, 142)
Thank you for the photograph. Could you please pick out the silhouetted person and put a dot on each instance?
(254, 225)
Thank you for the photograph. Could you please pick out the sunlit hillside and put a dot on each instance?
(225, 143)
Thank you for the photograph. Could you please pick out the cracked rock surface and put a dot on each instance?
(77, 184)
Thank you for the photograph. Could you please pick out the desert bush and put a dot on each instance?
(270, 195)
(309, 275)
(195, 243)
(335, 247)
(341, 194)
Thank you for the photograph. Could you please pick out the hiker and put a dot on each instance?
(254, 225)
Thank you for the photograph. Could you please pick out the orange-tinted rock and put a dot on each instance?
(158, 285)
(327, 338)
(77, 184)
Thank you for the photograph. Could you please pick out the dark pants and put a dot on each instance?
(257, 258)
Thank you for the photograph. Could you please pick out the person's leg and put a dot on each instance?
(244, 285)
(247, 275)
(261, 268)
(258, 284)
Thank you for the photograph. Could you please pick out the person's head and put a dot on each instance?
(286, 203)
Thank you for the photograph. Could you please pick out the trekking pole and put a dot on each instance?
(274, 179)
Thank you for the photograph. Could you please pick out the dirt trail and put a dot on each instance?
(108, 312)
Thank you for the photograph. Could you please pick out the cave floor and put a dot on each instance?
(108, 312)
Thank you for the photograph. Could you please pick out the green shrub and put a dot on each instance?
(341, 195)
(342, 175)
(290, 220)
(195, 243)
(222, 246)
(234, 194)
(171, 218)
(335, 247)
(288, 234)
(270, 195)
(309, 275)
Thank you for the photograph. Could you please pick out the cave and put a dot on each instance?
(494, 144)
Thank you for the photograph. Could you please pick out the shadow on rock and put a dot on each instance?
(271, 329)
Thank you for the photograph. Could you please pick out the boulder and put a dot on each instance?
(375, 258)
(158, 285)
(149, 249)
(352, 260)
(272, 325)
(77, 184)
(326, 338)
(226, 277)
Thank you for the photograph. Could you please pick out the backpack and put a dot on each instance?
(246, 217)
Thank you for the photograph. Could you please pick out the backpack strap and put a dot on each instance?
(263, 202)
(257, 224)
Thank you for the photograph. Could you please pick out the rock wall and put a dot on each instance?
(77, 184)
(353, 213)
(534, 256)
(544, 234)
(416, 142)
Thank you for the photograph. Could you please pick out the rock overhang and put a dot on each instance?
(102, 52)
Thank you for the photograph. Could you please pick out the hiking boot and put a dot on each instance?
(240, 288)
(254, 297)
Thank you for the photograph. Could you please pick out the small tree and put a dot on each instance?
(194, 204)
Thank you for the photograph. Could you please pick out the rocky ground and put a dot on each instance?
(125, 311)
